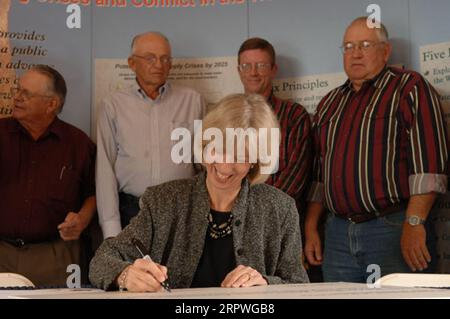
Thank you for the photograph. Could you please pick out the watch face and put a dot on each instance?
(414, 220)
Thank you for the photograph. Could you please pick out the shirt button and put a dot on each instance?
(237, 222)
(240, 252)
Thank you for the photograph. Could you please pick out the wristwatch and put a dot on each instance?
(415, 220)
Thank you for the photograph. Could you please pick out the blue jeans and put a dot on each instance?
(350, 248)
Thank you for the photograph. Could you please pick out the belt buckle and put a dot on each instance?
(18, 242)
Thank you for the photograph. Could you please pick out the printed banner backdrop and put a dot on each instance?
(435, 66)
(213, 78)
(7, 72)
(37, 32)
(88, 41)
(308, 90)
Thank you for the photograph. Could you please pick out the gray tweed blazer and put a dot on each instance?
(173, 223)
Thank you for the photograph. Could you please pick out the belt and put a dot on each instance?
(128, 199)
(17, 242)
(364, 217)
(20, 243)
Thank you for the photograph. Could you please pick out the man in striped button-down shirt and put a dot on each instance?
(257, 70)
(381, 159)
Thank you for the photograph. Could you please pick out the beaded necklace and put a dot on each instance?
(219, 231)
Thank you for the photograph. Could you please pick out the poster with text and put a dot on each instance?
(213, 78)
(435, 66)
(308, 90)
(52, 33)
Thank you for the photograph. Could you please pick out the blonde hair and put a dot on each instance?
(246, 111)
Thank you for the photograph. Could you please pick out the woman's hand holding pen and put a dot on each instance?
(243, 276)
(144, 276)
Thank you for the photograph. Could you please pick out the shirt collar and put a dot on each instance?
(14, 126)
(55, 128)
(376, 81)
(272, 99)
(141, 93)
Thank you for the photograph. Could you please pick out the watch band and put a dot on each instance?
(415, 220)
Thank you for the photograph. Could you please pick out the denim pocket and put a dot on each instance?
(395, 219)
(328, 219)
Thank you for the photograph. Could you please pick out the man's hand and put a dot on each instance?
(72, 227)
(243, 276)
(313, 247)
(414, 249)
(313, 244)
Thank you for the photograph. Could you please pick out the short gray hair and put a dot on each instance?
(56, 81)
(136, 37)
(382, 31)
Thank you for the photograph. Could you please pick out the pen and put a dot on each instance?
(140, 248)
(62, 172)
(63, 169)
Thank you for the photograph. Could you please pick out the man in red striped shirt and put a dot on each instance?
(257, 70)
(381, 159)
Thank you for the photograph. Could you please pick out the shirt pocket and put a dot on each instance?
(378, 125)
(65, 188)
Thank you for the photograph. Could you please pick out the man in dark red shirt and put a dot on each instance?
(47, 181)
(381, 158)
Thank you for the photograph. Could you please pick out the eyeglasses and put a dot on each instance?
(25, 93)
(364, 46)
(151, 59)
(261, 67)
